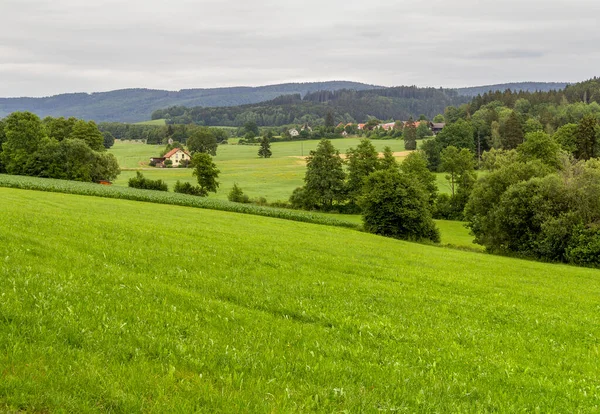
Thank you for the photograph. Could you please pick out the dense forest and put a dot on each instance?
(345, 105)
(135, 105)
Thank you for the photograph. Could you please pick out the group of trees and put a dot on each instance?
(395, 200)
(61, 148)
(156, 134)
(540, 196)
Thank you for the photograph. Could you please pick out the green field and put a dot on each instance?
(123, 306)
(158, 122)
(274, 178)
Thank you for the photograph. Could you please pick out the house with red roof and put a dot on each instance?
(176, 156)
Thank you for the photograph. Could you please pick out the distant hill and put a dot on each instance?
(345, 105)
(517, 86)
(135, 105)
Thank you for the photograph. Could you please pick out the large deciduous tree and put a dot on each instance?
(202, 140)
(324, 179)
(23, 133)
(89, 133)
(206, 172)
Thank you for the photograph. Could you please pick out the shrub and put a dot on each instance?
(187, 188)
(237, 195)
(139, 181)
(395, 205)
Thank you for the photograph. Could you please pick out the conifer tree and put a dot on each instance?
(265, 148)
(586, 137)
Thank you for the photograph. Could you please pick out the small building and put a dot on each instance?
(387, 126)
(294, 132)
(436, 127)
(177, 155)
(361, 127)
(157, 161)
(344, 134)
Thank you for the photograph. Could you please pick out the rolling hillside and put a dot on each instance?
(123, 306)
(136, 105)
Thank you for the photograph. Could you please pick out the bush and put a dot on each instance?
(395, 205)
(139, 181)
(187, 188)
(237, 195)
(584, 247)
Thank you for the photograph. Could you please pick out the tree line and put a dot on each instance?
(346, 105)
(62, 148)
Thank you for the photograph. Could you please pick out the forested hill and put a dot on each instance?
(398, 103)
(517, 86)
(134, 105)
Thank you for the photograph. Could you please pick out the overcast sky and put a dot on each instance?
(50, 47)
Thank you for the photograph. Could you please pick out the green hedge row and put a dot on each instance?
(126, 193)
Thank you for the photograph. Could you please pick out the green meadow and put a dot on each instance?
(122, 306)
(274, 178)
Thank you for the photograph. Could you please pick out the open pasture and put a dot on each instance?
(274, 178)
(123, 306)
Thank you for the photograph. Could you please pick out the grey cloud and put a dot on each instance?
(69, 45)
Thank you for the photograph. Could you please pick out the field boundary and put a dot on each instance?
(161, 197)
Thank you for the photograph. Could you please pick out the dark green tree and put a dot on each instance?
(587, 133)
(206, 172)
(512, 132)
(410, 136)
(252, 127)
(201, 139)
(329, 121)
(265, 147)
(395, 205)
(109, 139)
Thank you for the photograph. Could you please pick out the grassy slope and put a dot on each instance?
(127, 306)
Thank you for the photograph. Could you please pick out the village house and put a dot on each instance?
(176, 156)
(436, 127)
(293, 132)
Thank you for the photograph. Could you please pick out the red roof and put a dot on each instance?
(174, 151)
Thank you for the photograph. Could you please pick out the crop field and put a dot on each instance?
(274, 178)
(123, 306)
